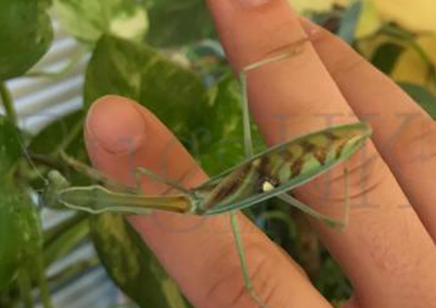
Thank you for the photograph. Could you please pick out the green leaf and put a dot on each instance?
(178, 22)
(64, 134)
(10, 147)
(332, 282)
(66, 129)
(20, 236)
(25, 35)
(88, 20)
(10, 241)
(132, 265)
(386, 56)
(225, 135)
(422, 96)
(173, 93)
(222, 143)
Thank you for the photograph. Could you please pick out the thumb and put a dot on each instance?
(198, 252)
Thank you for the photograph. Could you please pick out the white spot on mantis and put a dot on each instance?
(267, 186)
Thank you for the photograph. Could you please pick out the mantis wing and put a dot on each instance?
(281, 168)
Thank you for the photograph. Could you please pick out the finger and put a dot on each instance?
(404, 134)
(199, 253)
(298, 95)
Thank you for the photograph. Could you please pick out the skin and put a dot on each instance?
(388, 250)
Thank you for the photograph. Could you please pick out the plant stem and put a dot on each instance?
(74, 270)
(44, 291)
(67, 242)
(25, 288)
(69, 138)
(60, 229)
(8, 102)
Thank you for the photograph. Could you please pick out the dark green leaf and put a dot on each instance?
(20, 235)
(222, 143)
(177, 22)
(422, 96)
(10, 147)
(52, 136)
(332, 282)
(225, 135)
(25, 35)
(386, 56)
(349, 22)
(174, 94)
(132, 264)
(89, 19)
(64, 134)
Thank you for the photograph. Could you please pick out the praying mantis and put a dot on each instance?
(269, 174)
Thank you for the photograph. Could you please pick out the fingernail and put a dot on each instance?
(116, 125)
(309, 27)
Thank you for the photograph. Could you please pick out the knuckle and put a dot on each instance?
(415, 141)
(276, 39)
(228, 289)
(350, 62)
(343, 62)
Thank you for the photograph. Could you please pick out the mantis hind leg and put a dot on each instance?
(331, 222)
(294, 49)
(243, 260)
(249, 152)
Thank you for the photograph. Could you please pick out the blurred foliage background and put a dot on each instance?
(165, 55)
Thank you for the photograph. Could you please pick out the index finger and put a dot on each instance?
(297, 95)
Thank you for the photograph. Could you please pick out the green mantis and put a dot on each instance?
(271, 173)
(261, 177)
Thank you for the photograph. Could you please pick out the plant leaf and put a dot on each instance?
(20, 233)
(132, 265)
(178, 22)
(25, 35)
(48, 139)
(422, 96)
(386, 56)
(89, 19)
(10, 147)
(173, 93)
(417, 63)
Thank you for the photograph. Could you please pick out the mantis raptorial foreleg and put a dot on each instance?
(243, 260)
(166, 181)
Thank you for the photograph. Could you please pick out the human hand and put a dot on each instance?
(387, 251)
